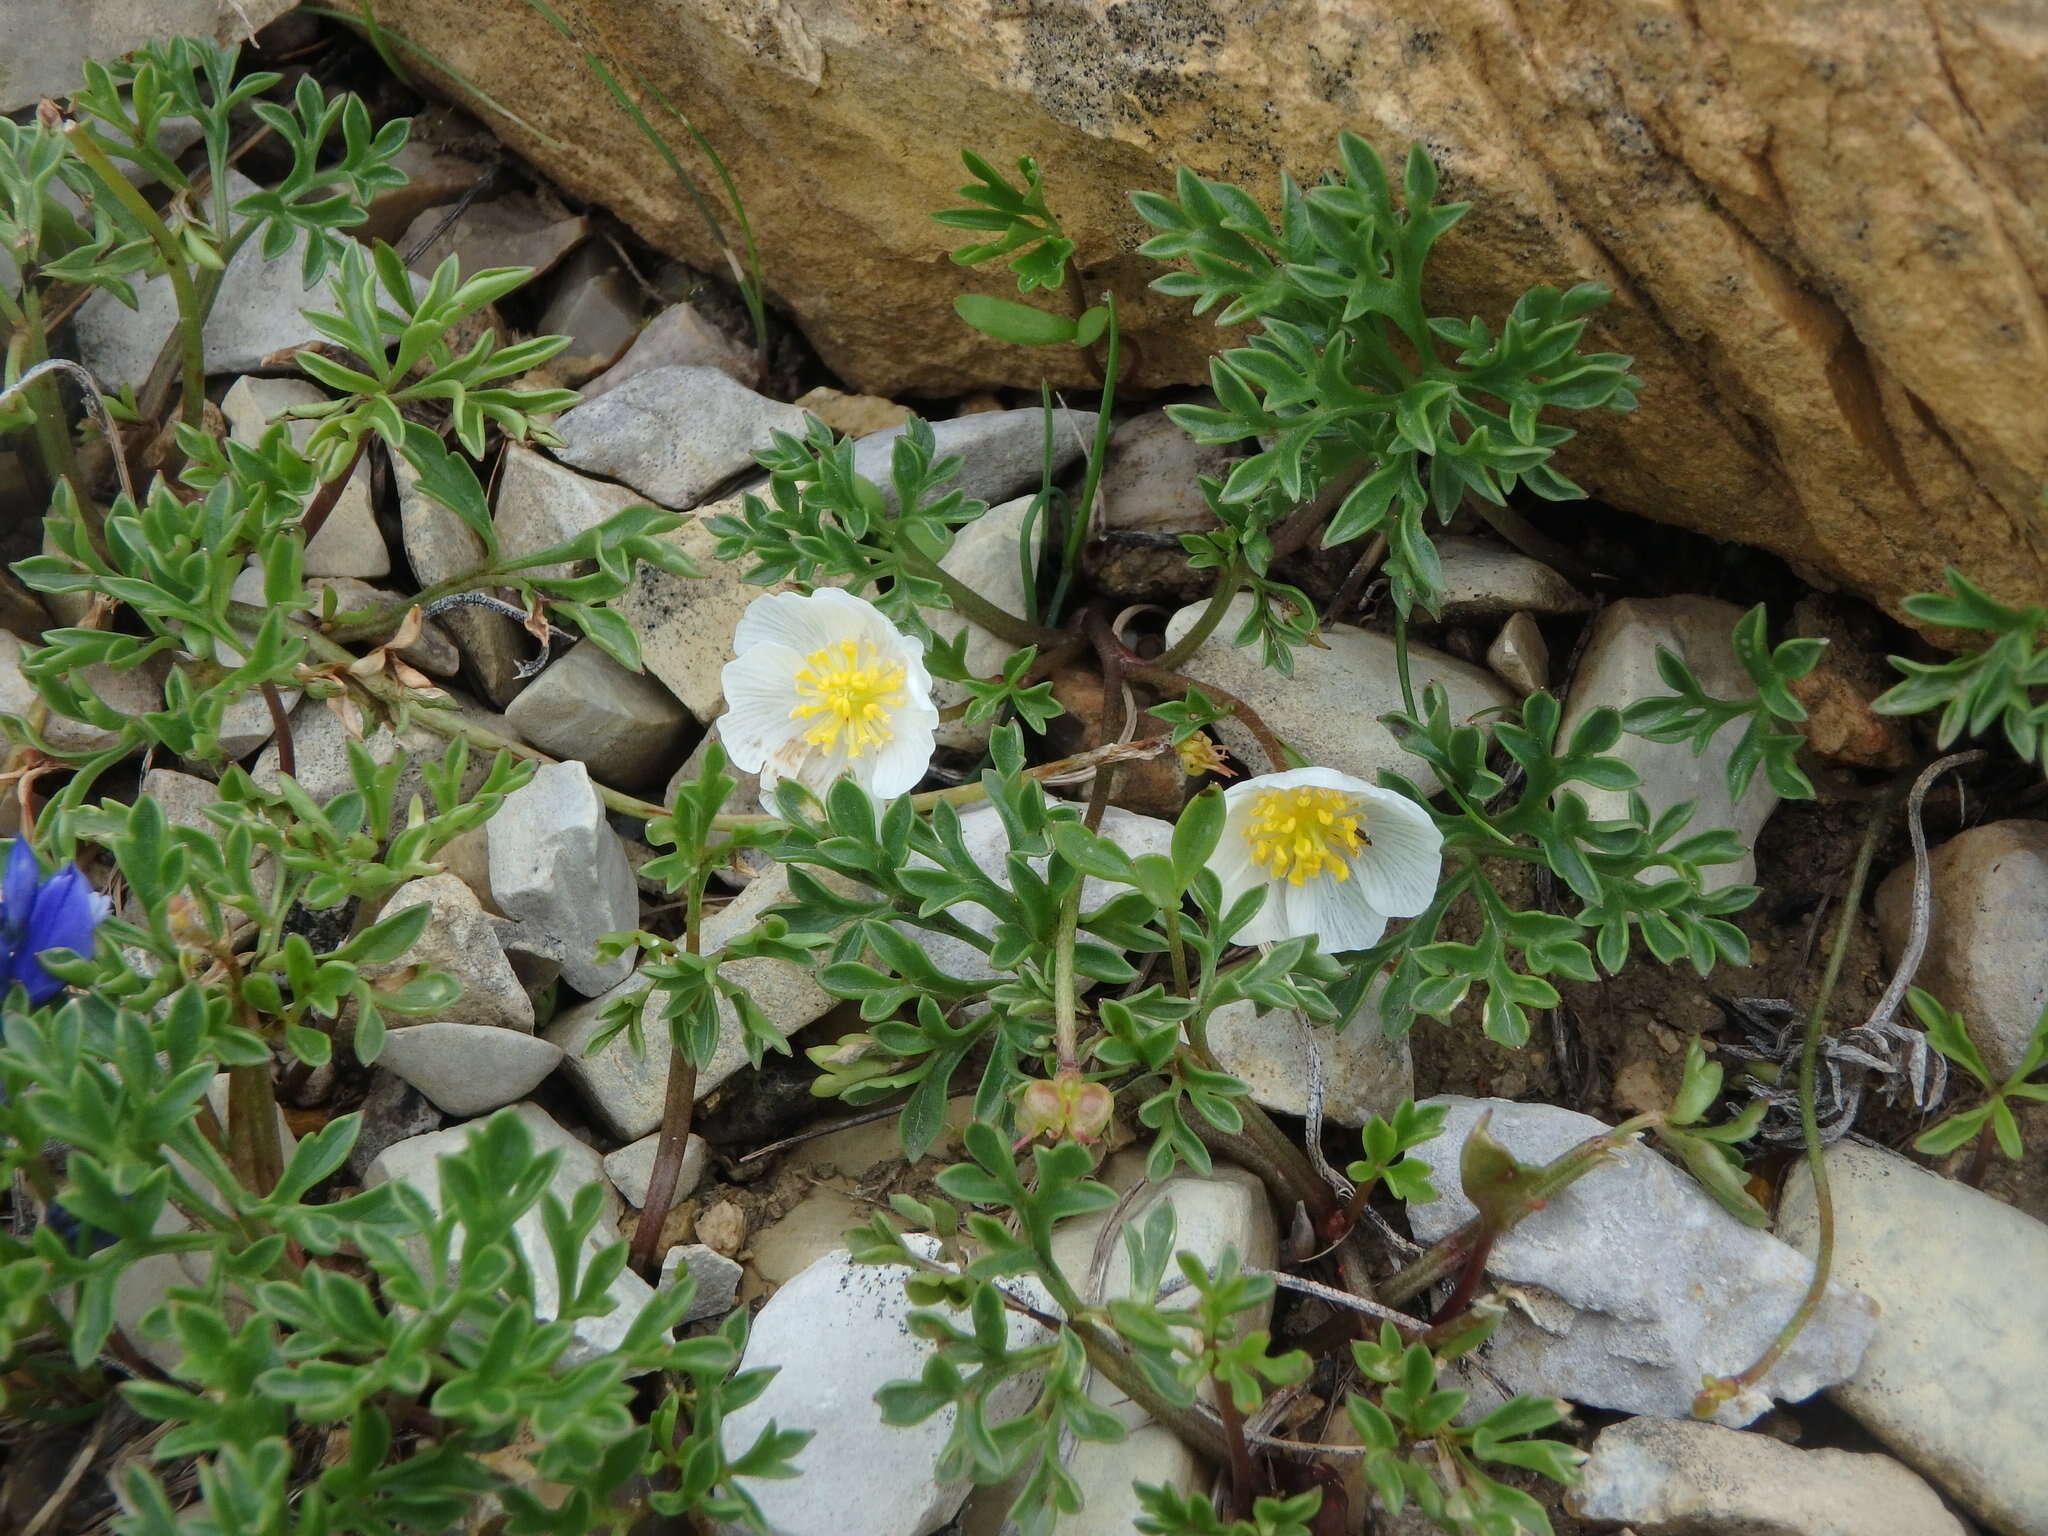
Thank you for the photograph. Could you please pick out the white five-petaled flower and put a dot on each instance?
(822, 685)
(1336, 857)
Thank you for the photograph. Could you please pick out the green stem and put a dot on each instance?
(53, 431)
(1401, 662)
(1725, 1387)
(1107, 1354)
(1066, 1027)
(1226, 588)
(1176, 954)
(191, 314)
(1077, 526)
(976, 608)
(1240, 1453)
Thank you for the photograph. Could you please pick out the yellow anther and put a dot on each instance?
(1297, 834)
(849, 690)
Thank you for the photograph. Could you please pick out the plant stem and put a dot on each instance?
(317, 511)
(191, 313)
(281, 727)
(1066, 1027)
(1240, 1453)
(972, 606)
(1725, 1387)
(1401, 660)
(678, 1107)
(1205, 626)
(1161, 676)
(53, 431)
(1176, 954)
(1084, 508)
(1106, 1353)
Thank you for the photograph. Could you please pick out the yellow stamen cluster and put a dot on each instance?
(849, 689)
(1299, 833)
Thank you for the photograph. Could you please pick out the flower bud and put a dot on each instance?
(1067, 1105)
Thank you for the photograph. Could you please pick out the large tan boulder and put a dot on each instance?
(1826, 223)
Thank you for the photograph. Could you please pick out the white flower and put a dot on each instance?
(1335, 856)
(822, 685)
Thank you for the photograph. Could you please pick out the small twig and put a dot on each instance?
(314, 518)
(95, 402)
(82, 1463)
(1346, 600)
(1163, 677)
(281, 726)
(1413, 1327)
(527, 668)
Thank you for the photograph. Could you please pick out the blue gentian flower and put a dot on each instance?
(39, 913)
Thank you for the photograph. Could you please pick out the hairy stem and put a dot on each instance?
(1240, 1453)
(1066, 1027)
(280, 724)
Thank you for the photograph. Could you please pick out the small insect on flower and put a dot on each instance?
(1336, 857)
(822, 685)
(39, 913)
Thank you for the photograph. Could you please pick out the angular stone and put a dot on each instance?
(686, 623)
(745, 799)
(440, 546)
(1148, 498)
(834, 1335)
(624, 1087)
(556, 863)
(1632, 1284)
(1002, 452)
(1364, 1072)
(631, 1169)
(1519, 655)
(50, 40)
(596, 304)
(509, 231)
(435, 176)
(673, 434)
(132, 692)
(1329, 710)
(256, 312)
(469, 1069)
(984, 558)
(1487, 581)
(433, 652)
(717, 1279)
(540, 504)
(1619, 666)
(349, 543)
(1987, 947)
(458, 940)
(624, 726)
(1678, 1477)
(852, 415)
(1952, 1382)
(393, 1111)
(184, 798)
(417, 1162)
(679, 337)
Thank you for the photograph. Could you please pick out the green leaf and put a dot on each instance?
(1007, 320)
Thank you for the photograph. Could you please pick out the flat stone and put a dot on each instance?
(1619, 666)
(834, 1335)
(393, 1111)
(349, 543)
(417, 1162)
(680, 337)
(1632, 1284)
(458, 940)
(440, 546)
(1952, 1382)
(852, 415)
(1002, 452)
(1149, 496)
(1678, 1477)
(49, 43)
(1364, 1072)
(434, 176)
(1987, 948)
(987, 842)
(469, 1069)
(716, 1276)
(133, 692)
(1329, 710)
(596, 304)
(984, 558)
(631, 1169)
(432, 653)
(540, 504)
(624, 726)
(1487, 581)
(624, 1087)
(556, 863)
(673, 434)
(1520, 656)
(256, 312)
(509, 231)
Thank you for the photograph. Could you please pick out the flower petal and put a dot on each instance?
(1398, 873)
(760, 691)
(66, 912)
(18, 887)
(906, 757)
(1337, 912)
(808, 621)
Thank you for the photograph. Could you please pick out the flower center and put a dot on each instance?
(1299, 833)
(848, 690)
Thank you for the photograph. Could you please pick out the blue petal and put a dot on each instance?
(67, 910)
(18, 889)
